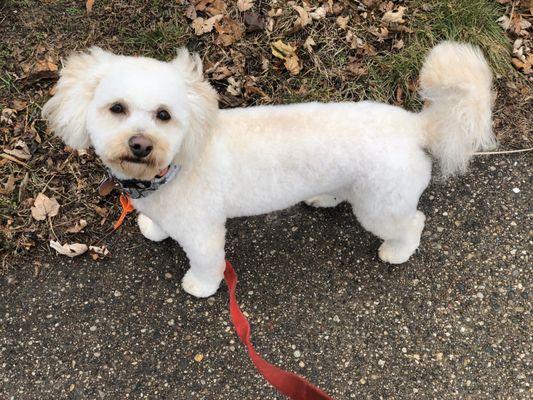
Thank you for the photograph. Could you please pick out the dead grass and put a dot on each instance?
(336, 68)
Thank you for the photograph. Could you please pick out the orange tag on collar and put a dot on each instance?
(127, 207)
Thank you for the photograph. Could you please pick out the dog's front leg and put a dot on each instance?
(205, 250)
(150, 229)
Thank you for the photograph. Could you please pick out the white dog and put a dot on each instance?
(190, 166)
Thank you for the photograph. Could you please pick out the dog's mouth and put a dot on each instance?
(131, 167)
(136, 160)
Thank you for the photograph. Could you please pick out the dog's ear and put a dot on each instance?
(66, 111)
(203, 100)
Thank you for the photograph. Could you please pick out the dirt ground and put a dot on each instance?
(455, 322)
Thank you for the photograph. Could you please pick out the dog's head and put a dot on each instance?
(138, 113)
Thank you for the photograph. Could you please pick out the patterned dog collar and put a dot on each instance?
(137, 188)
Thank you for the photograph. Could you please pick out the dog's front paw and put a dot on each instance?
(198, 287)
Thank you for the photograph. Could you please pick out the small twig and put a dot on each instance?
(489, 153)
(511, 16)
(52, 227)
(109, 233)
(10, 158)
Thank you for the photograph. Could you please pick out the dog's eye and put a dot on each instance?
(163, 115)
(117, 108)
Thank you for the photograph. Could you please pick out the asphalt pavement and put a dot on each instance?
(452, 323)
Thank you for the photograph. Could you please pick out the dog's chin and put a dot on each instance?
(135, 168)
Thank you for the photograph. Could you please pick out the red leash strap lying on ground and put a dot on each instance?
(291, 385)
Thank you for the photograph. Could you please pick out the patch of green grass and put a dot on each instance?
(19, 3)
(472, 21)
(7, 84)
(74, 11)
(159, 40)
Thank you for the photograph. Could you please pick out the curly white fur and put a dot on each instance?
(254, 160)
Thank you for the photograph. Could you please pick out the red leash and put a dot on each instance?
(291, 385)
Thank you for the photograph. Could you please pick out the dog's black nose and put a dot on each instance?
(140, 145)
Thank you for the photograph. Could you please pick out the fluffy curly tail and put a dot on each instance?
(456, 86)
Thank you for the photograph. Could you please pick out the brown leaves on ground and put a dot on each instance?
(216, 16)
(394, 16)
(89, 5)
(245, 5)
(287, 53)
(228, 31)
(254, 22)
(20, 150)
(44, 207)
(77, 227)
(202, 25)
(69, 250)
(308, 14)
(43, 67)
(516, 22)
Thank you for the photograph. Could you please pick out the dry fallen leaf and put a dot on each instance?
(381, 34)
(19, 150)
(228, 31)
(8, 116)
(504, 22)
(320, 12)
(190, 12)
(250, 87)
(309, 43)
(89, 5)
(395, 17)
(216, 7)
(45, 68)
(254, 22)
(46, 64)
(526, 66)
(304, 18)
(275, 12)
(520, 26)
(287, 53)
(43, 207)
(234, 87)
(9, 185)
(77, 227)
(342, 21)
(245, 5)
(353, 41)
(355, 68)
(202, 25)
(293, 65)
(70, 250)
(19, 105)
(398, 44)
(218, 72)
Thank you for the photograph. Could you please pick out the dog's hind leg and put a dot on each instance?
(324, 200)
(150, 229)
(388, 209)
(401, 233)
(404, 238)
